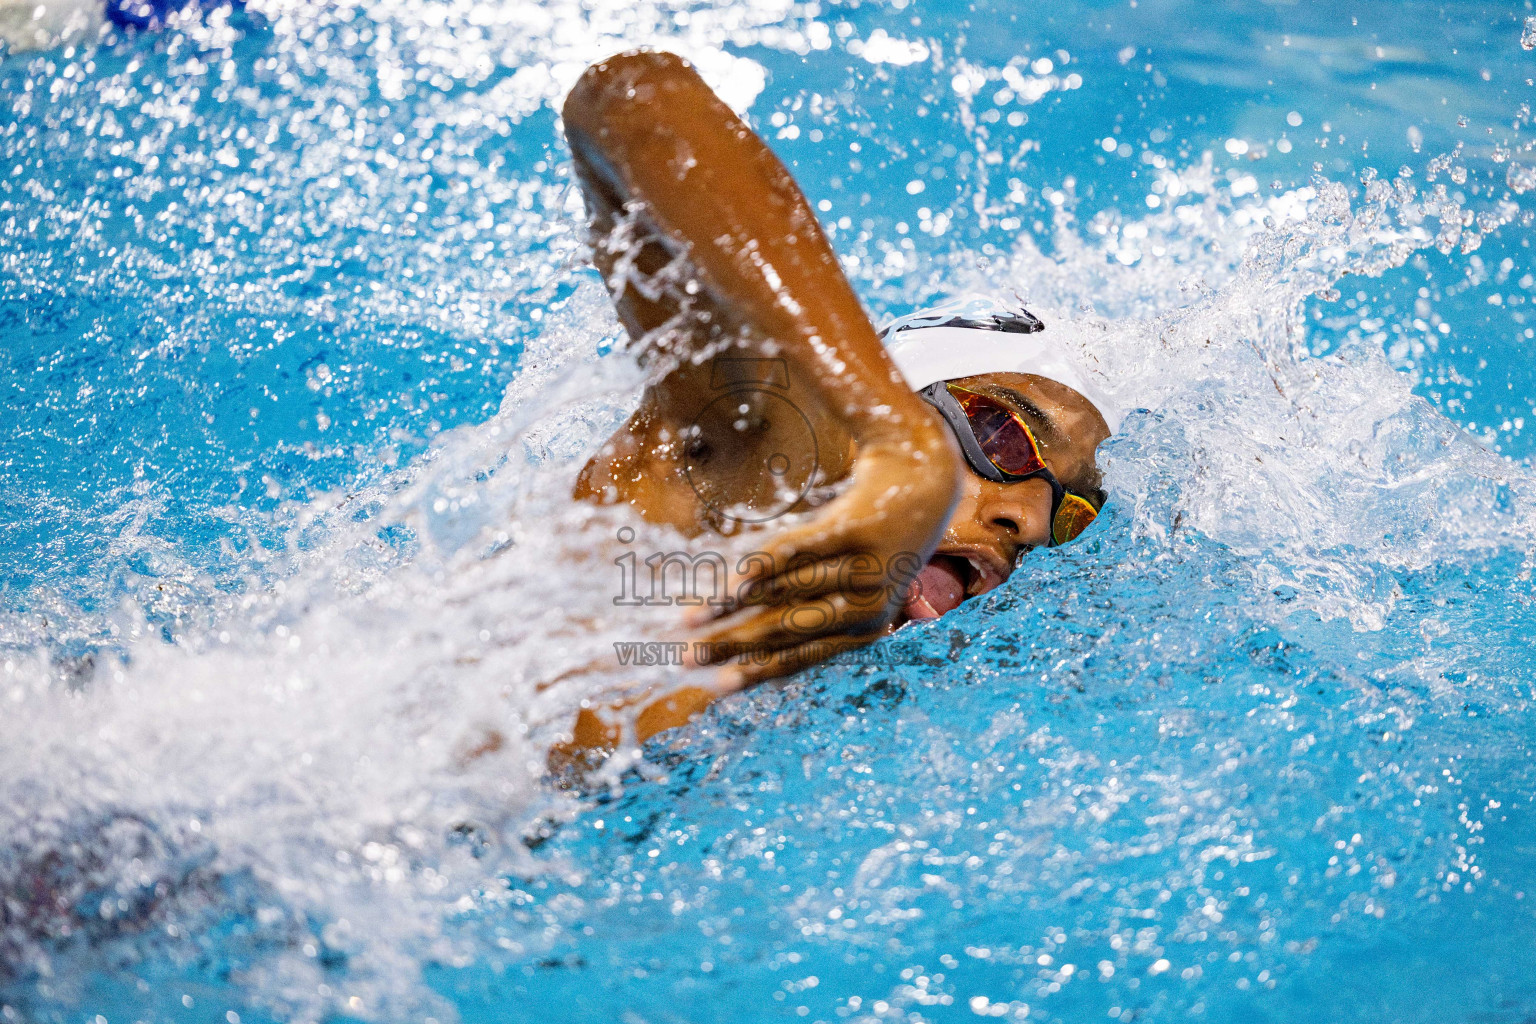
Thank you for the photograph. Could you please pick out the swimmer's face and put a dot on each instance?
(994, 522)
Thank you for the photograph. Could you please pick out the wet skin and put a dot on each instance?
(772, 393)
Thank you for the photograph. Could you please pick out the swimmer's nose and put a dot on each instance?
(1018, 512)
(1009, 524)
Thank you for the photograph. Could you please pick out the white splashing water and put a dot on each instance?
(315, 742)
(315, 757)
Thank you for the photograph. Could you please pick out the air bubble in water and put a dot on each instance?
(1461, 122)
(1521, 177)
(1528, 36)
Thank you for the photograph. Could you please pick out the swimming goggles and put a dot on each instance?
(999, 446)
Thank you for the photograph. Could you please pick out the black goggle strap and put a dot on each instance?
(938, 396)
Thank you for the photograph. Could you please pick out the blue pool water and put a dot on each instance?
(300, 352)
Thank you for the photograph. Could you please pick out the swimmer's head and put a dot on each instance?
(958, 340)
(999, 365)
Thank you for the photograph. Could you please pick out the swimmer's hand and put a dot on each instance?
(837, 583)
(809, 593)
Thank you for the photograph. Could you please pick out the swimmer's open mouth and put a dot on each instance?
(949, 578)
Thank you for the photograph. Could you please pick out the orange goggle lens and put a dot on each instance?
(1005, 439)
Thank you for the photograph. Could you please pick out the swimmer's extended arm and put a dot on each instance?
(729, 246)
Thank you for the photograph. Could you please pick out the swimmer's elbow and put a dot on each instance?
(625, 78)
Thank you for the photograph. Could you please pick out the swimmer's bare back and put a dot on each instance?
(722, 277)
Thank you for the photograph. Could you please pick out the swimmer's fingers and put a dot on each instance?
(861, 576)
(749, 671)
(869, 543)
(875, 537)
(790, 570)
(762, 633)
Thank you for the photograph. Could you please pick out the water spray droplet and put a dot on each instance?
(1528, 35)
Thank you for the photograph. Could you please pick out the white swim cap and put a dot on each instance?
(937, 344)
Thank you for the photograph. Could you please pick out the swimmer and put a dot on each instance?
(926, 465)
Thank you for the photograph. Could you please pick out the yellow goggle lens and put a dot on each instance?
(1072, 518)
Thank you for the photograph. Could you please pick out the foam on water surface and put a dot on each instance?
(305, 356)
